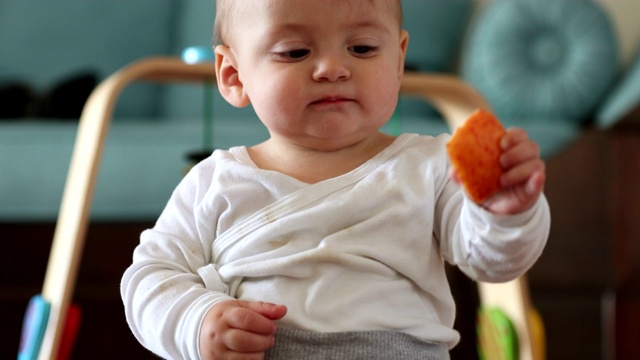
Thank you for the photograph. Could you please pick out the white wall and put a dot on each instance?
(626, 18)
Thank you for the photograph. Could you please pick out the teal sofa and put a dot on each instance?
(155, 127)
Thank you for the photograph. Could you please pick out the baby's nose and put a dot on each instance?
(331, 68)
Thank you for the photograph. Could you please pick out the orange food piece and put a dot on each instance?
(474, 150)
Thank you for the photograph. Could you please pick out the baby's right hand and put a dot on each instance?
(239, 329)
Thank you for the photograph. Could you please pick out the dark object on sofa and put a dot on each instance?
(16, 98)
(65, 100)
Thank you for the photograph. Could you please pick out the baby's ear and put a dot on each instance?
(404, 42)
(228, 78)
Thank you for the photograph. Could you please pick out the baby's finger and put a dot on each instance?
(269, 310)
(247, 342)
(513, 137)
(520, 153)
(521, 173)
(243, 318)
(535, 184)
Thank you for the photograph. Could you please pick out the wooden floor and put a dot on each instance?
(586, 284)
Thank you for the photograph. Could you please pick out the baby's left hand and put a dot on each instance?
(524, 174)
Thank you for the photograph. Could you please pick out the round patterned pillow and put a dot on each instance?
(542, 58)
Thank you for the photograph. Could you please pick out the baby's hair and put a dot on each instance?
(225, 7)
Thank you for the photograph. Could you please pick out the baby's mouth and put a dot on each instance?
(331, 100)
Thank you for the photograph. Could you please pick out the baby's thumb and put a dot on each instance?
(453, 175)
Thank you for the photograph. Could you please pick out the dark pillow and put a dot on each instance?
(16, 98)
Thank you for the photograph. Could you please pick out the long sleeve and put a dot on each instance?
(170, 285)
(488, 247)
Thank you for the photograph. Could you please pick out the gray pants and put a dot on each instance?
(292, 344)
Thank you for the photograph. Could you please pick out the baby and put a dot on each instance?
(329, 239)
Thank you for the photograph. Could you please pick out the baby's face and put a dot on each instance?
(320, 74)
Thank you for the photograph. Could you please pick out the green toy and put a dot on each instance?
(497, 337)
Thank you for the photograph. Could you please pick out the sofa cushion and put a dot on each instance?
(44, 42)
(543, 59)
(143, 161)
(436, 29)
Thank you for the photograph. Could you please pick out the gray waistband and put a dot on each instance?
(370, 345)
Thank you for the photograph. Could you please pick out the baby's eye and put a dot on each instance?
(297, 54)
(361, 50)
